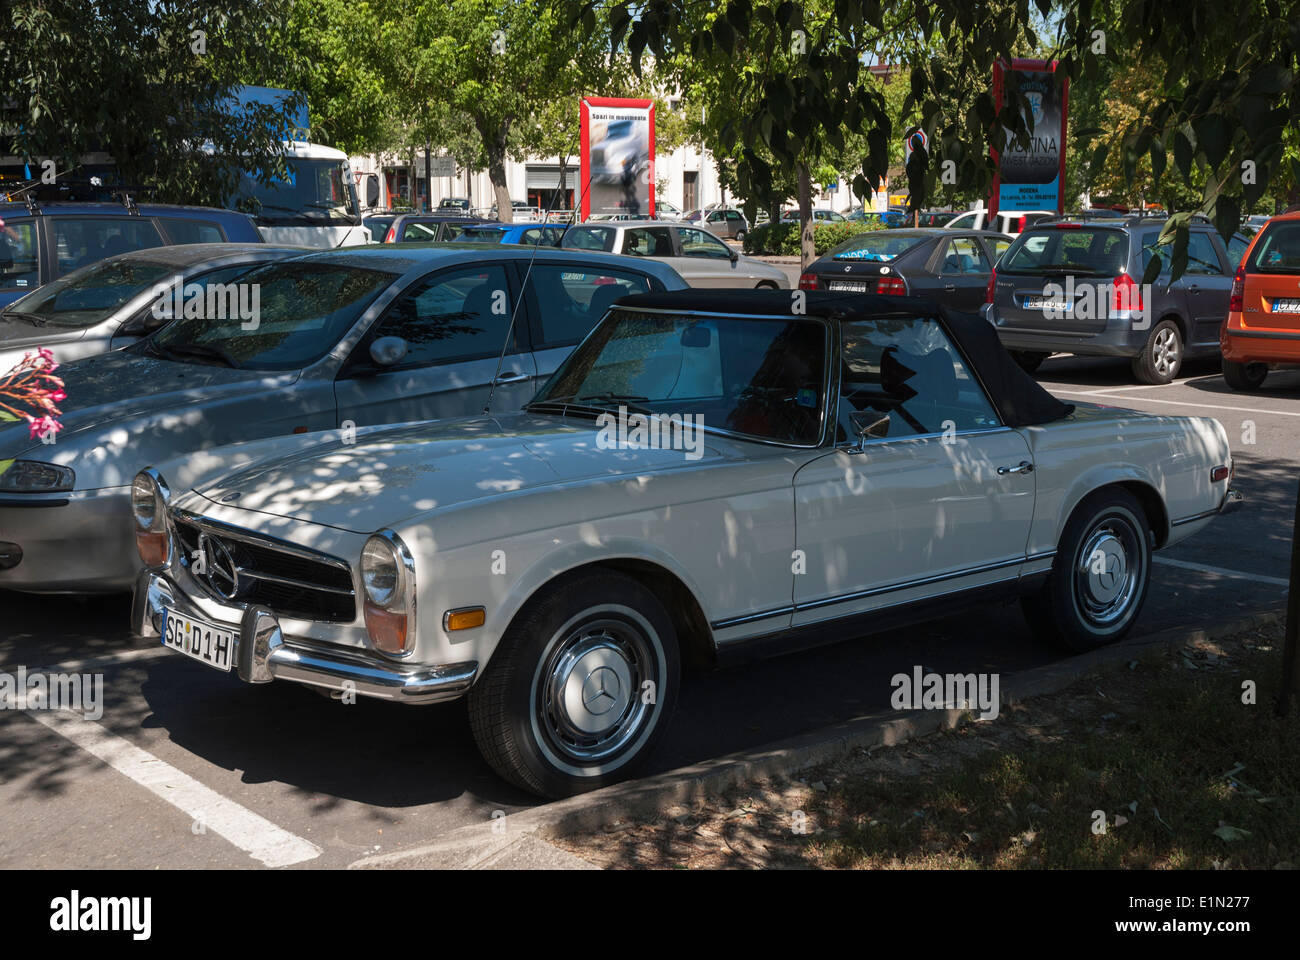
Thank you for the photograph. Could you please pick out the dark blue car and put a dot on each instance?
(43, 241)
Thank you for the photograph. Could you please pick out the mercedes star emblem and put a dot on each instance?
(218, 569)
(597, 695)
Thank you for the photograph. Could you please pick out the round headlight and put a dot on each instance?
(146, 501)
(381, 572)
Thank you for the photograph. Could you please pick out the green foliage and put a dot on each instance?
(782, 239)
(149, 83)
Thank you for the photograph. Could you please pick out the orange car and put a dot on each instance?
(1263, 325)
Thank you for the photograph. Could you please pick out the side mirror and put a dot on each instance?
(869, 429)
(372, 190)
(388, 351)
(732, 255)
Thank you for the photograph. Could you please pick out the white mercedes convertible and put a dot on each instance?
(709, 473)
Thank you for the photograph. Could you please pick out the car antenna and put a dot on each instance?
(510, 329)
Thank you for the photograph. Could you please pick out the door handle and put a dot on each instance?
(1024, 466)
(1193, 289)
(510, 376)
(949, 287)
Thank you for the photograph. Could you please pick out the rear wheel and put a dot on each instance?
(1162, 354)
(1029, 360)
(1244, 376)
(580, 689)
(1100, 575)
(740, 236)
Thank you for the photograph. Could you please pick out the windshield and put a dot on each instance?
(753, 377)
(316, 192)
(283, 316)
(1084, 251)
(875, 246)
(89, 295)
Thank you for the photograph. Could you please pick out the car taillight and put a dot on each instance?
(988, 293)
(1126, 294)
(1237, 297)
(891, 287)
(1020, 223)
(390, 236)
(1219, 474)
(807, 281)
(1069, 226)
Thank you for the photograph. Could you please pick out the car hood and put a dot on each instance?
(18, 336)
(390, 474)
(122, 385)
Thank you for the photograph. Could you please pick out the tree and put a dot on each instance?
(149, 83)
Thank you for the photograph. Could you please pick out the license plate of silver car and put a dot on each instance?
(204, 642)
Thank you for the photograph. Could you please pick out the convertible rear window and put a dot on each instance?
(755, 377)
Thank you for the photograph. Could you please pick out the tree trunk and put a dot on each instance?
(807, 249)
(428, 171)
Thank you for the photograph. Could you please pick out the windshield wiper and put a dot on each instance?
(196, 350)
(35, 319)
(629, 400)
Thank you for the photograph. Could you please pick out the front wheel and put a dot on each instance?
(740, 236)
(1100, 575)
(766, 285)
(1161, 356)
(1244, 376)
(581, 688)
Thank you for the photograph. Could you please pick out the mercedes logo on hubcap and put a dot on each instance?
(600, 691)
(218, 569)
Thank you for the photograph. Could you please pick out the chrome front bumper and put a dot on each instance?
(262, 652)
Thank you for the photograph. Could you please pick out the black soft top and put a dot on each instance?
(1019, 399)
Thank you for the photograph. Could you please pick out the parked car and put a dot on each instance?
(1010, 222)
(950, 267)
(451, 205)
(526, 233)
(45, 241)
(830, 436)
(888, 218)
(818, 215)
(665, 210)
(428, 227)
(111, 304)
(701, 258)
(1096, 305)
(725, 222)
(1261, 330)
(935, 218)
(521, 210)
(365, 335)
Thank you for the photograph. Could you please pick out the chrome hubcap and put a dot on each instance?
(588, 693)
(1107, 575)
(1164, 352)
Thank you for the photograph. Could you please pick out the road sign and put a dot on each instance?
(915, 139)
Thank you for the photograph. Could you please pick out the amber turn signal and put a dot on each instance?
(464, 618)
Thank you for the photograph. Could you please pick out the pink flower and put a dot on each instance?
(40, 426)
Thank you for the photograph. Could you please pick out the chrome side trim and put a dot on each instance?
(876, 591)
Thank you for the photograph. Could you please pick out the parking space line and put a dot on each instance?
(1220, 571)
(258, 837)
(1181, 403)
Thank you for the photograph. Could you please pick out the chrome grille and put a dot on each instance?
(293, 581)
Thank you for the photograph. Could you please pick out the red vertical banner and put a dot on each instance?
(1032, 179)
(617, 156)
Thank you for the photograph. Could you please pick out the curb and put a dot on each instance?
(487, 845)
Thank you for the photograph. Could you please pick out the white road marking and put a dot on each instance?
(258, 837)
(1220, 571)
(1180, 403)
(1104, 391)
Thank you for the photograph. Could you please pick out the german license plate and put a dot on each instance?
(1286, 306)
(1055, 304)
(847, 286)
(203, 641)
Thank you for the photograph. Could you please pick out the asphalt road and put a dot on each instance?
(189, 768)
